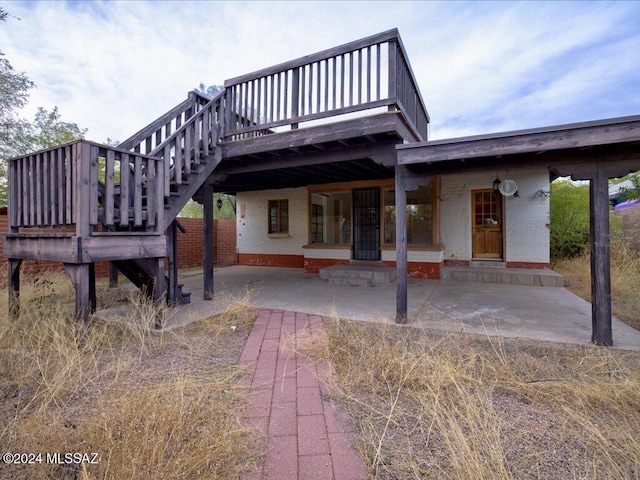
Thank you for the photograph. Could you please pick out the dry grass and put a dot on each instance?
(442, 406)
(152, 406)
(625, 279)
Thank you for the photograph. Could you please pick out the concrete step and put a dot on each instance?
(358, 274)
(488, 263)
(507, 276)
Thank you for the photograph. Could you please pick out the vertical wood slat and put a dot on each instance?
(161, 168)
(151, 193)
(301, 91)
(334, 66)
(166, 160)
(310, 87)
(46, 202)
(351, 79)
(93, 187)
(206, 135)
(187, 149)
(286, 95)
(32, 197)
(326, 85)
(343, 79)
(368, 73)
(37, 183)
(272, 99)
(125, 174)
(15, 168)
(378, 71)
(62, 200)
(258, 100)
(70, 160)
(137, 191)
(53, 189)
(177, 161)
(109, 187)
(295, 90)
(25, 190)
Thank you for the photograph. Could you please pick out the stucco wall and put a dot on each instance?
(526, 218)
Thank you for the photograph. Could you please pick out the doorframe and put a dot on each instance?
(379, 224)
(503, 257)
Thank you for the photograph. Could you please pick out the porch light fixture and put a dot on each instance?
(219, 204)
(496, 185)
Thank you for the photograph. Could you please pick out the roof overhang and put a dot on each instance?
(565, 149)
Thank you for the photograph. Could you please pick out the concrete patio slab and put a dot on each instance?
(539, 313)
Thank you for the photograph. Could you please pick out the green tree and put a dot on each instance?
(18, 136)
(569, 206)
(210, 91)
(227, 208)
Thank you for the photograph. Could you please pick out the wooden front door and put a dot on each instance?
(487, 224)
(366, 224)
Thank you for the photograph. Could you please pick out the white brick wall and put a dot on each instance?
(526, 218)
(252, 228)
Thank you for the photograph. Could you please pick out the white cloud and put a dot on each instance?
(482, 67)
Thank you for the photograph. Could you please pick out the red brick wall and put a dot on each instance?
(189, 247)
(190, 244)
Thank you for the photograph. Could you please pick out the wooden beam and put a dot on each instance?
(113, 276)
(207, 254)
(80, 278)
(14, 287)
(601, 333)
(333, 155)
(159, 289)
(602, 132)
(401, 245)
(172, 254)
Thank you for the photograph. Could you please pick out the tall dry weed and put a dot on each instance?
(446, 406)
(625, 278)
(150, 405)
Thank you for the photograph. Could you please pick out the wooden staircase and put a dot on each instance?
(80, 203)
(192, 153)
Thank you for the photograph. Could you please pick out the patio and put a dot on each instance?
(538, 313)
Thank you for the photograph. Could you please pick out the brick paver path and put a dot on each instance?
(306, 437)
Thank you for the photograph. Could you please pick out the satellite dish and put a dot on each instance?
(508, 188)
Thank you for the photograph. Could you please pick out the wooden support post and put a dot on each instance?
(14, 287)
(93, 302)
(172, 241)
(159, 288)
(207, 260)
(401, 244)
(601, 333)
(80, 277)
(113, 276)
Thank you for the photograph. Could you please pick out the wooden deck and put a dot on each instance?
(336, 115)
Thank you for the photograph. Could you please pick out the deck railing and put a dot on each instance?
(84, 184)
(156, 133)
(363, 75)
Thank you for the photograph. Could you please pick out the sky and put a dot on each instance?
(113, 67)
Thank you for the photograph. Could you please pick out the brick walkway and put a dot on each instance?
(306, 437)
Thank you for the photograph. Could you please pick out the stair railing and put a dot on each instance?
(194, 140)
(157, 132)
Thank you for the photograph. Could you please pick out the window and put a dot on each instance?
(278, 216)
(331, 218)
(419, 216)
(317, 224)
